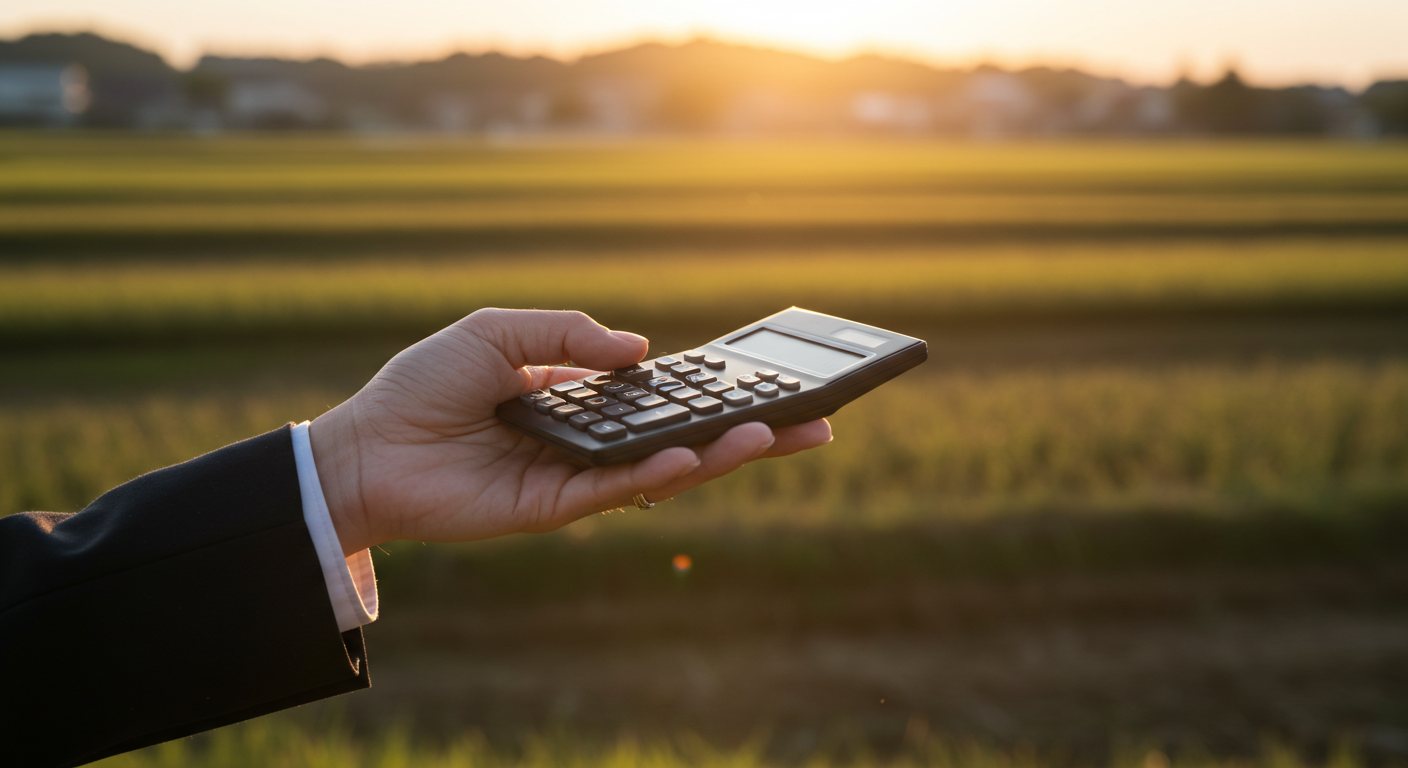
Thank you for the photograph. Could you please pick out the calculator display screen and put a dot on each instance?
(791, 351)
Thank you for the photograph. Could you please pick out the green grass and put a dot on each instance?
(108, 167)
(111, 196)
(934, 445)
(905, 289)
(278, 743)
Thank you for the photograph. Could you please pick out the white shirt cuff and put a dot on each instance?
(351, 582)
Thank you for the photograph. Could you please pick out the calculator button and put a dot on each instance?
(789, 383)
(533, 397)
(617, 411)
(580, 396)
(606, 431)
(767, 374)
(671, 413)
(699, 379)
(682, 394)
(766, 389)
(561, 390)
(615, 388)
(565, 412)
(693, 356)
(711, 361)
(601, 401)
(684, 369)
(649, 401)
(584, 419)
(548, 403)
(597, 382)
(748, 382)
(705, 405)
(669, 386)
(633, 373)
(655, 383)
(631, 395)
(665, 363)
(736, 397)
(716, 388)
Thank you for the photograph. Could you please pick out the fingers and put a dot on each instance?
(536, 337)
(542, 377)
(607, 487)
(736, 447)
(675, 470)
(800, 437)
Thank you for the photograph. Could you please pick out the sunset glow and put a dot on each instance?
(1273, 42)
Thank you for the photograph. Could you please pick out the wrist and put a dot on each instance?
(336, 455)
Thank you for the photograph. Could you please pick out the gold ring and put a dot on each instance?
(641, 502)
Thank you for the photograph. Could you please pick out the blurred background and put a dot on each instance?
(1144, 505)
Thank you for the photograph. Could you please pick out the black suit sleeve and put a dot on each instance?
(184, 600)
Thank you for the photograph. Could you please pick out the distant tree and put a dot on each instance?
(1227, 106)
(1388, 103)
(205, 89)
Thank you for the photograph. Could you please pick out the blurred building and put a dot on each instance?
(39, 94)
(699, 87)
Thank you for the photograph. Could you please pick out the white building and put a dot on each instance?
(259, 102)
(42, 93)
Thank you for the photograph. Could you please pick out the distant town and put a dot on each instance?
(85, 80)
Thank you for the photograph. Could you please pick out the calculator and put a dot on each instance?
(790, 368)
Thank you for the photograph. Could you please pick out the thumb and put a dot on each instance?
(527, 337)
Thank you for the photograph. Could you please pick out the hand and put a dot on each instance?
(418, 453)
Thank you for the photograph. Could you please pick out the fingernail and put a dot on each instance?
(631, 337)
(690, 467)
(764, 448)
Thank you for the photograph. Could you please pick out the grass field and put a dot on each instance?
(1150, 483)
(906, 289)
(279, 744)
(938, 445)
(182, 197)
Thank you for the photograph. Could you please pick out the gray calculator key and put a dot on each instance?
(664, 390)
(633, 373)
(684, 369)
(766, 389)
(649, 401)
(565, 412)
(655, 383)
(716, 363)
(602, 401)
(562, 389)
(580, 396)
(705, 405)
(546, 404)
(615, 388)
(767, 374)
(606, 431)
(789, 383)
(737, 397)
(748, 382)
(597, 382)
(693, 356)
(682, 394)
(700, 379)
(671, 413)
(584, 419)
(665, 363)
(631, 395)
(533, 397)
(616, 411)
(716, 388)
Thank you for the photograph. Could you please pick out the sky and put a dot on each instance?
(1272, 42)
